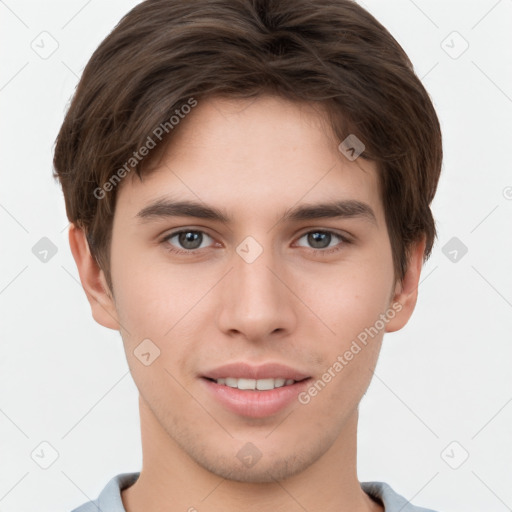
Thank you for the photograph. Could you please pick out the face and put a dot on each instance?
(259, 288)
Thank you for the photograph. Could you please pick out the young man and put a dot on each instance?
(249, 186)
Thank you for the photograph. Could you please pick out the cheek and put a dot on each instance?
(152, 314)
(351, 299)
(351, 306)
(162, 303)
(148, 295)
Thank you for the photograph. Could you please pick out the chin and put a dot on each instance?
(266, 470)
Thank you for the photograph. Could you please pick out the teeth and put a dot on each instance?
(259, 384)
(246, 384)
(232, 383)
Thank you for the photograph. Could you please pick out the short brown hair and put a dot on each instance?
(333, 52)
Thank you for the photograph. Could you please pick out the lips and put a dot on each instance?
(255, 391)
(246, 371)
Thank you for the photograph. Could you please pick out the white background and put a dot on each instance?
(445, 377)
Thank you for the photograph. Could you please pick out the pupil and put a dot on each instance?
(318, 236)
(189, 237)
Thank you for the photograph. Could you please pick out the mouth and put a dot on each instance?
(254, 391)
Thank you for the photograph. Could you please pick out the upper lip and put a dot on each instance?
(242, 370)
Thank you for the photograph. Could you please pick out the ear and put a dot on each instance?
(93, 280)
(406, 291)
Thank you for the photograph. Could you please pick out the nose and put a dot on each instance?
(256, 299)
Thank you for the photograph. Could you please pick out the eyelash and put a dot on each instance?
(320, 252)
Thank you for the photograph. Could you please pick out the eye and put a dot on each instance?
(188, 240)
(320, 241)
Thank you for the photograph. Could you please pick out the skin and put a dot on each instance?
(255, 159)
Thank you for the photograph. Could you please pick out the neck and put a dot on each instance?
(170, 480)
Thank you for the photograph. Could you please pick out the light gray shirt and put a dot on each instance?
(109, 499)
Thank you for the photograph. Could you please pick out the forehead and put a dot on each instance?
(253, 154)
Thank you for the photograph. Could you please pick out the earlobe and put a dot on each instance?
(93, 280)
(406, 291)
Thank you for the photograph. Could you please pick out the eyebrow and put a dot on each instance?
(347, 208)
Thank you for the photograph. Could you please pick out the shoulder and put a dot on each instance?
(391, 501)
(109, 499)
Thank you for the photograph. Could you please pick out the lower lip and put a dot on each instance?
(254, 403)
